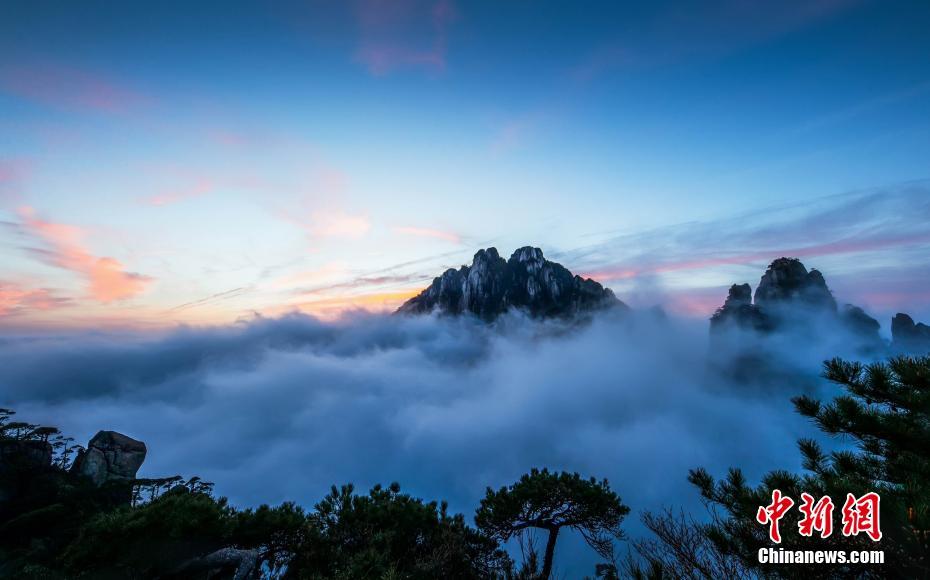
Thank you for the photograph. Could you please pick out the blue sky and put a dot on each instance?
(199, 163)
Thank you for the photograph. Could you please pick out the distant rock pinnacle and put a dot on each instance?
(908, 336)
(789, 295)
(527, 281)
(787, 280)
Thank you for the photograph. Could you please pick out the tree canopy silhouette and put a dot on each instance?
(884, 412)
(388, 534)
(552, 501)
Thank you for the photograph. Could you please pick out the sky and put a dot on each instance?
(180, 163)
(197, 201)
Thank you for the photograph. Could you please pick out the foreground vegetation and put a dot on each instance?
(55, 523)
(883, 420)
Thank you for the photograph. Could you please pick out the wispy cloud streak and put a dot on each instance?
(219, 296)
(199, 187)
(62, 246)
(429, 233)
(887, 226)
(17, 299)
(390, 32)
(13, 174)
(67, 88)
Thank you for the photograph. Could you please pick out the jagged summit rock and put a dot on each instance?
(738, 309)
(527, 281)
(788, 295)
(908, 336)
(787, 281)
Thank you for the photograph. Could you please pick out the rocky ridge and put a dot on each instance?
(791, 296)
(527, 281)
(909, 336)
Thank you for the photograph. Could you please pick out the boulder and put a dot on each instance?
(110, 457)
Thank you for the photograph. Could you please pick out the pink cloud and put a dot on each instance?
(390, 31)
(329, 180)
(13, 172)
(67, 88)
(516, 132)
(893, 299)
(338, 224)
(107, 280)
(200, 187)
(15, 298)
(330, 224)
(695, 302)
(849, 246)
(430, 233)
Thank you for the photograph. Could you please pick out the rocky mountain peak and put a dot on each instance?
(791, 297)
(909, 336)
(527, 281)
(787, 280)
(738, 309)
(488, 255)
(528, 254)
(739, 295)
(788, 295)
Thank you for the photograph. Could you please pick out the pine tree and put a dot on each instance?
(552, 501)
(885, 412)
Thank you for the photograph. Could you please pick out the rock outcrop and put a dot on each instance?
(739, 310)
(527, 281)
(110, 457)
(788, 282)
(858, 322)
(791, 296)
(908, 336)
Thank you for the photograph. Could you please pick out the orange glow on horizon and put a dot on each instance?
(335, 306)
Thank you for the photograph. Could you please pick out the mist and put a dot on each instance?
(278, 409)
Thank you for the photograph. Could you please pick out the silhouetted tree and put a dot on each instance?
(886, 413)
(390, 534)
(680, 547)
(550, 502)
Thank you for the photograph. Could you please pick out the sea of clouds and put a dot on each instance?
(278, 409)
